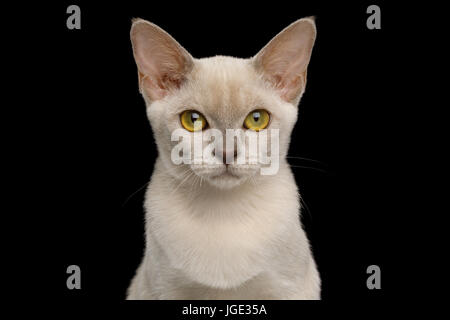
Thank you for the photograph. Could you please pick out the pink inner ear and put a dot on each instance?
(285, 59)
(147, 85)
(285, 77)
(159, 88)
(293, 88)
(162, 62)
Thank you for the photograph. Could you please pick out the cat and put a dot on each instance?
(223, 231)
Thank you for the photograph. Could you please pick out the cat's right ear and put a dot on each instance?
(284, 60)
(162, 62)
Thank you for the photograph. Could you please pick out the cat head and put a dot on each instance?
(252, 96)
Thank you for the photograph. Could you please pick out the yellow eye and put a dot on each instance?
(192, 120)
(257, 120)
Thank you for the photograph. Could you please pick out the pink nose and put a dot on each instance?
(228, 157)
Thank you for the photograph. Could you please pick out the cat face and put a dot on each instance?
(238, 102)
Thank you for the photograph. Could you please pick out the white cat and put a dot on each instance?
(223, 231)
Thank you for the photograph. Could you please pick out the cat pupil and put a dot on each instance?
(194, 117)
(256, 116)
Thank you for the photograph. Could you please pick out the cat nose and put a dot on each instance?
(229, 156)
(225, 155)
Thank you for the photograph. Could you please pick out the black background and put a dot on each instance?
(93, 149)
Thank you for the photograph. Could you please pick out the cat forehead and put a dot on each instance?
(225, 86)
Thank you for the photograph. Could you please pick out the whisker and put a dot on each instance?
(306, 159)
(134, 193)
(143, 186)
(253, 181)
(196, 180)
(306, 167)
(302, 201)
(182, 182)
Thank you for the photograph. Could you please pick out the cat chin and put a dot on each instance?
(226, 181)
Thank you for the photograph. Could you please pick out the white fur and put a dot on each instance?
(209, 234)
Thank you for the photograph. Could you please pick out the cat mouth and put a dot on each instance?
(226, 173)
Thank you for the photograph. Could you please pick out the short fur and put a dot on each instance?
(214, 232)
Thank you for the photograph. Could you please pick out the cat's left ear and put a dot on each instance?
(162, 62)
(284, 60)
